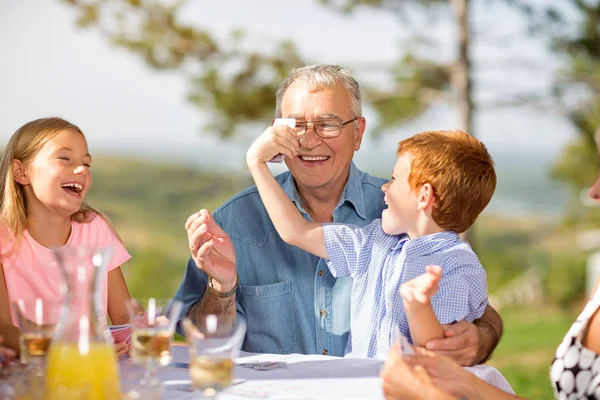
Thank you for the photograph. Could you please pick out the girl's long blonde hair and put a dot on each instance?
(23, 146)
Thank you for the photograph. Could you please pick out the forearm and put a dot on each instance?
(290, 224)
(477, 389)
(423, 323)
(490, 331)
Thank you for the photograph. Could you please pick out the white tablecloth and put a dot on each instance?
(306, 377)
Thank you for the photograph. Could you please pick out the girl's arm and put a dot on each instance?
(290, 224)
(592, 336)
(117, 295)
(7, 329)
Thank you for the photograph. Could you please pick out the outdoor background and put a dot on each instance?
(171, 93)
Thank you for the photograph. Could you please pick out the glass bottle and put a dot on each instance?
(81, 354)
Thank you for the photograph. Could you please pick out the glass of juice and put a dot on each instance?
(36, 319)
(152, 324)
(214, 343)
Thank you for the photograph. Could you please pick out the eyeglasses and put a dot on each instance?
(325, 128)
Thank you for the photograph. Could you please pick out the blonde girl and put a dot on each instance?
(44, 177)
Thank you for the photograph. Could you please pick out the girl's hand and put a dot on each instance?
(122, 348)
(279, 139)
(423, 287)
(6, 355)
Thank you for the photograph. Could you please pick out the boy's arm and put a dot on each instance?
(290, 224)
(416, 295)
(465, 288)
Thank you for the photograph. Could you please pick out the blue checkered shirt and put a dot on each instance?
(379, 263)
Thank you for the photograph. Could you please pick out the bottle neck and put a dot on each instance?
(79, 320)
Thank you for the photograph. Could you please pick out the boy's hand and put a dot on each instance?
(279, 139)
(423, 287)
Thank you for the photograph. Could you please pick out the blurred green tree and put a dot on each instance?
(237, 85)
(578, 86)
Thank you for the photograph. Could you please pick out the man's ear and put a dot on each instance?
(361, 124)
(426, 197)
(20, 173)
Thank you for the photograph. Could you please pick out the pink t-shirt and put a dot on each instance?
(31, 272)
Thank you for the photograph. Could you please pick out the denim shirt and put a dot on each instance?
(288, 298)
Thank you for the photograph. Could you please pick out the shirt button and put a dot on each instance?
(321, 273)
(324, 352)
(323, 313)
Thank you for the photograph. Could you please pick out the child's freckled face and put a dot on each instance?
(401, 200)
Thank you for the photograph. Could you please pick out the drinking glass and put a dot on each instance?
(214, 342)
(36, 319)
(152, 324)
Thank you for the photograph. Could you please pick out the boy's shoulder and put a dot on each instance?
(459, 255)
(445, 249)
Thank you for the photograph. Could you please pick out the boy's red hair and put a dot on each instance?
(460, 170)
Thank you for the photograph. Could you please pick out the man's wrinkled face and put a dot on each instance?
(322, 163)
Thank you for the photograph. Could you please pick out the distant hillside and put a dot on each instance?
(149, 204)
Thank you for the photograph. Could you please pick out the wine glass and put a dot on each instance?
(152, 323)
(214, 342)
(36, 319)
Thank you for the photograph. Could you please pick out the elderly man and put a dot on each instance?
(289, 299)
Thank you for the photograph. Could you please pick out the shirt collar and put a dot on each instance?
(429, 244)
(352, 193)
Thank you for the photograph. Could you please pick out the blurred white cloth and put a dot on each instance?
(307, 377)
(492, 376)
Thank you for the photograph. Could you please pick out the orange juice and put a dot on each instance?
(67, 367)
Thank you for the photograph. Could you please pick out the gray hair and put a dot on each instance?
(319, 77)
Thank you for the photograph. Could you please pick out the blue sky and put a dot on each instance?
(50, 67)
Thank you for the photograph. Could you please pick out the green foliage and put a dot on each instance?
(161, 195)
(565, 279)
(418, 83)
(578, 164)
(528, 346)
(237, 85)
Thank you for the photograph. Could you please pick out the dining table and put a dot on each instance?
(289, 376)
